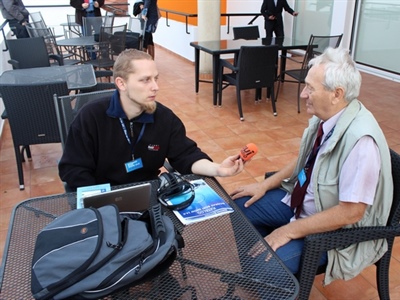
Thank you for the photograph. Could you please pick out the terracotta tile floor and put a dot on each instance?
(219, 132)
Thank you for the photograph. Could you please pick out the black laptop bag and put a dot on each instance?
(90, 253)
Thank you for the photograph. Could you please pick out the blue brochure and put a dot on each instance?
(206, 204)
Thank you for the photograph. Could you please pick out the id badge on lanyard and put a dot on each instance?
(135, 163)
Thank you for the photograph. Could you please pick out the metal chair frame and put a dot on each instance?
(316, 45)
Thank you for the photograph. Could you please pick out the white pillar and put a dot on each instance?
(209, 14)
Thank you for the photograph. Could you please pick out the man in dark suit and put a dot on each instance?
(272, 12)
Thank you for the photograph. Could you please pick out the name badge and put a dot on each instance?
(302, 177)
(133, 165)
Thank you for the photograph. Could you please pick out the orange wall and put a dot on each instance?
(186, 6)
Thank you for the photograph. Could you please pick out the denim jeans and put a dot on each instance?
(269, 213)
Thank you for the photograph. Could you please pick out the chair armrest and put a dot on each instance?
(292, 59)
(14, 63)
(4, 114)
(58, 58)
(322, 242)
(103, 73)
(225, 63)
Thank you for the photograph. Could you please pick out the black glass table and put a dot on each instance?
(76, 76)
(214, 264)
(216, 48)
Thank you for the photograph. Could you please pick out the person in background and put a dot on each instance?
(272, 12)
(128, 137)
(86, 8)
(151, 14)
(341, 178)
(17, 15)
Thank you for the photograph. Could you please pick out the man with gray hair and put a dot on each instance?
(341, 177)
(16, 14)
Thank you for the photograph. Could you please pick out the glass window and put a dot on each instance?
(378, 35)
(315, 18)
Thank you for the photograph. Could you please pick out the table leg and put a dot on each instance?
(215, 77)
(283, 65)
(196, 68)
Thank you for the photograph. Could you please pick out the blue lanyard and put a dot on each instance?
(129, 139)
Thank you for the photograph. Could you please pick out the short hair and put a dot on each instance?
(123, 64)
(340, 71)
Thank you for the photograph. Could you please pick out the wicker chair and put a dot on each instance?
(255, 69)
(246, 33)
(31, 115)
(316, 244)
(38, 55)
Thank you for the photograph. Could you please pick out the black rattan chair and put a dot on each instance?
(255, 69)
(53, 49)
(31, 115)
(37, 57)
(246, 33)
(316, 244)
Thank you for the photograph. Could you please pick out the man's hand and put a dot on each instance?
(271, 17)
(278, 238)
(295, 14)
(255, 191)
(232, 165)
(85, 5)
(96, 4)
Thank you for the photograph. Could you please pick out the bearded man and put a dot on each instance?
(127, 138)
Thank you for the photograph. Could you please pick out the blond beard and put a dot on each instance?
(149, 107)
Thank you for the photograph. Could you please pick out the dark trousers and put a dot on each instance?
(18, 29)
(274, 26)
